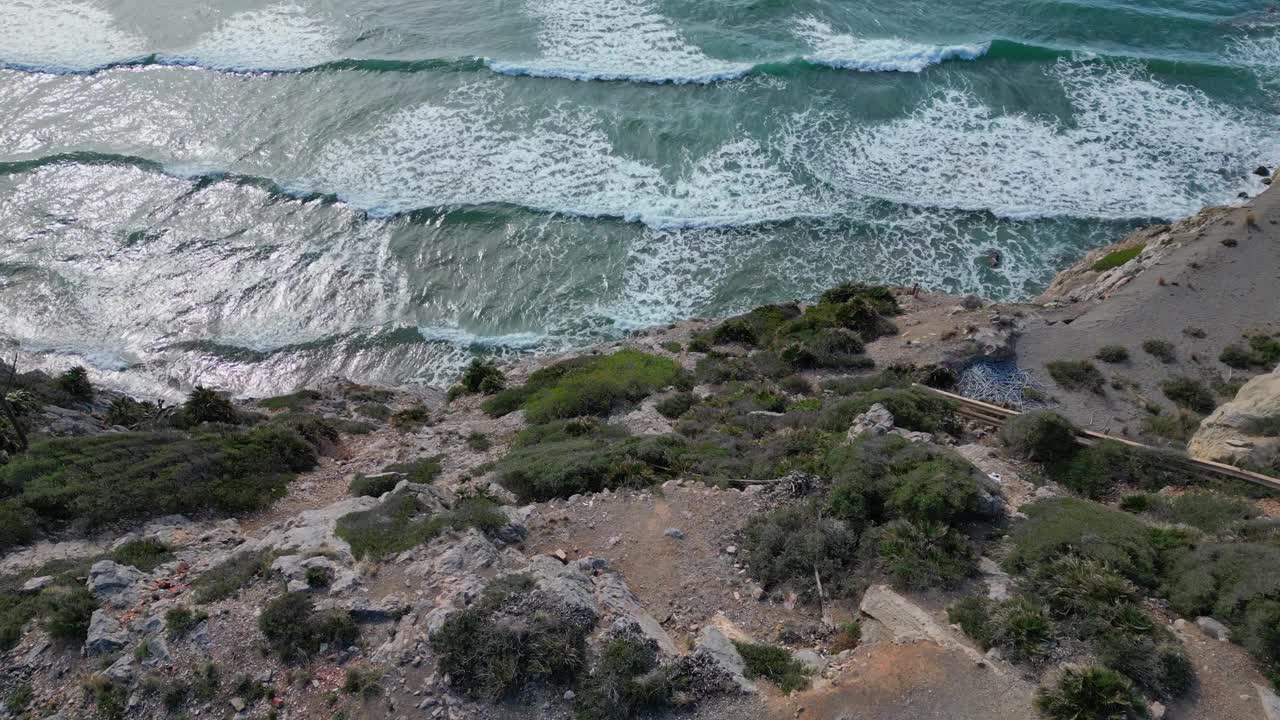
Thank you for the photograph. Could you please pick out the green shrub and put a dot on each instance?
(775, 664)
(1021, 627)
(796, 385)
(67, 610)
(129, 413)
(374, 411)
(1204, 511)
(789, 544)
(1041, 436)
(1177, 426)
(483, 377)
(1058, 526)
(1091, 693)
(1158, 667)
(588, 386)
(911, 408)
(676, 405)
(511, 635)
(295, 631)
(918, 555)
(145, 554)
(318, 577)
(1077, 375)
(19, 698)
(1098, 471)
(109, 699)
(889, 477)
(75, 382)
(1189, 393)
(973, 615)
(362, 681)
(17, 524)
(224, 580)
(478, 442)
(1116, 258)
(1112, 354)
(98, 480)
(294, 402)
(559, 468)
(411, 419)
(626, 681)
(181, 620)
(373, 485)
(205, 405)
(423, 471)
(672, 347)
(848, 635)
(396, 525)
(828, 348)
(1162, 350)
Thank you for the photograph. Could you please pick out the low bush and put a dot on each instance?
(1237, 583)
(205, 405)
(912, 409)
(1021, 628)
(1098, 471)
(423, 471)
(1112, 354)
(75, 382)
(1077, 375)
(145, 554)
(1189, 393)
(562, 467)
(1116, 258)
(294, 402)
(1059, 526)
(67, 610)
(774, 664)
(483, 377)
(1041, 436)
(848, 635)
(829, 348)
(374, 411)
(398, 524)
(1176, 426)
(1091, 692)
(919, 555)
(626, 681)
(1162, 350)
(1208, 512)
(888, 477)
(511, 635)
(129, 413)
(110, 699)
(676, 405)
(294, 630)
(373, 485)
(478, 441)
(1160, 667)
(89, 482)
(411, 419)
(224, 580)
(787, 546)
(362, 681)
(588, 386)
(181, 620)
(973, 615)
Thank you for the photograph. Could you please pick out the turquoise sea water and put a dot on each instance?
(252, 194)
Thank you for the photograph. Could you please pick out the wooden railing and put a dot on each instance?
(996, 416)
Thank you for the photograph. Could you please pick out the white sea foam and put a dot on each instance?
(285, 36)
(474, 149)
(615, 40)
(849, 52)
(58, 36)
(1133, 147)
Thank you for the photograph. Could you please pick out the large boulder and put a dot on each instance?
(1234, 433)
(115, 584)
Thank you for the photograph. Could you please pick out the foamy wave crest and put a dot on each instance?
(1133, 147)
(615, 40)
(465, 339)
(285, 36)
(475, 149)
(58, 36)
(848, 52)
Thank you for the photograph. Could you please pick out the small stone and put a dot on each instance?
(674, 533)
(731, 550)
(1213, 628)
(36, 584)
(1230, 242)
(1157, 710)
(569, 695)
(1262, 171)
(237, 704)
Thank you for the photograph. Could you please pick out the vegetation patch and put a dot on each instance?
(181, 620)
(482, 376)
(1189, 393)
(511, 635)
(1257, 351)
(411, 419)
(423, 471)
(1040, 436)
(294, 630)
(1162, 350)
(145, 554)
(588, 386)
(791, 544)
(1077, 375)
(673, 406)
(75, 382)
(401, 522)
(1091, 692)
(1112, 354)
(223, 581)
(91, 482)
(912, 409)
(295, 402)
(1177, 426)
(564, 459)
(774, 664)
(923, 554)
(1116, 258)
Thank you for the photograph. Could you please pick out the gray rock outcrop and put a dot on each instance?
(1237, 433)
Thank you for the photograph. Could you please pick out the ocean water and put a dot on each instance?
(254, 193)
